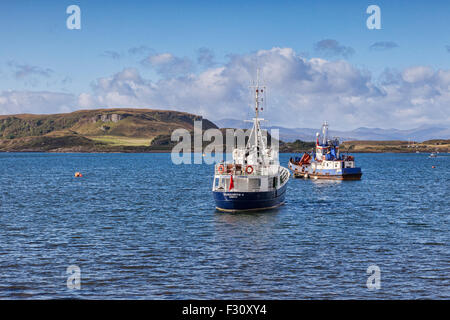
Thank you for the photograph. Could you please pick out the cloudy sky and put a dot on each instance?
(318, 59)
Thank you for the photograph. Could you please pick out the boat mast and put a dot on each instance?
(256, 109)
(258, 143)
(325, 133)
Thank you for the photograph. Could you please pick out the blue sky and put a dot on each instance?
(35, 39)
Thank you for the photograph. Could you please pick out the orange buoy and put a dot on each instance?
(433, 167)
(78, 174)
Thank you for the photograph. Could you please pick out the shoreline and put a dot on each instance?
(168, 152)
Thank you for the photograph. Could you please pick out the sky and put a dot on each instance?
(318, 59)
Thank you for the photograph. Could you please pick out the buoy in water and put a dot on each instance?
(433, 167)
(78, 174)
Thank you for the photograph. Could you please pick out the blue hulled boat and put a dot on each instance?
(254, 179)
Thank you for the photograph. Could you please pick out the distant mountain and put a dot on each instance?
(308, 134)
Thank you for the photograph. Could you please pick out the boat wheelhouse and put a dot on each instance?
(254, 179)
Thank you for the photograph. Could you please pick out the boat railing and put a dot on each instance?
(245, 170)
(284, 175)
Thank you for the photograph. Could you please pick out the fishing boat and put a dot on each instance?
(254, 179)
(326, 162)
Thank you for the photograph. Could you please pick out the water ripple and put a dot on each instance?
(140, 227)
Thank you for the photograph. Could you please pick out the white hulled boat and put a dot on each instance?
(327, 162)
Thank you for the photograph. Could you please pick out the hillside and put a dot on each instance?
(143, 130)
(101, 130)
(436, 145)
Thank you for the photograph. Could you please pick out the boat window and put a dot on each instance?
(275, 182)
(254, 183)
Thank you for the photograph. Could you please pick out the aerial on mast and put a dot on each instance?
(259, 94)
(325, 133)
(258, 142)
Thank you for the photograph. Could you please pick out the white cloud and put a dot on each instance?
(205, 57)
(301, 92)
(383, 45)
(167, 64)
(417, 74)
(22, 71)
(14, 102)
(330, 48)
(112, 54)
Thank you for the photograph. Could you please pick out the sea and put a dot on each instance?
(138, 226)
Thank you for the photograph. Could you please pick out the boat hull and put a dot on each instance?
(342, 174)
(356, 176)
(331, 174)
(249, 201)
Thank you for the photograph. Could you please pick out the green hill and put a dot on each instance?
(396, 146)
(143, 130)
(101, 130)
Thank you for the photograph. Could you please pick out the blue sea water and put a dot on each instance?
(140, 227)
